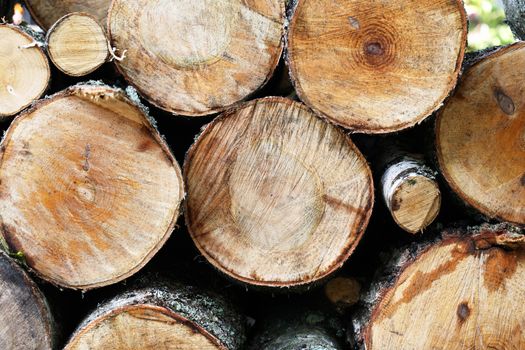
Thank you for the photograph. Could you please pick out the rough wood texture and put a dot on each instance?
(197, 57)
(25, 319)
(166, 316)
(515, 13)
(480, 136)
(24, 70)
(369, 65)
(47, 12)
(77, 44)
(276, 196)
(463, 292)
(411, 193)
(89, 190)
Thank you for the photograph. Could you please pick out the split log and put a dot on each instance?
(47, 12)
(479, 136)
(24, 69)
(276, 196)
(368, 65)
(163, 316)
(197, 57)
(26, 321)
(515, 12)
(89, 190)
(77, 44)
(292, 330)
(462, 292)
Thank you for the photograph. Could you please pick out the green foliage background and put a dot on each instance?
(487, 24)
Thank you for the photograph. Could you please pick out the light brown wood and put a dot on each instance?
(47, 12)
(276, 196)
(372, 66)
(25, 319)
(77, 44)
(465, 292)
(24, 70)
(411, 193)
(89, 190)
(197, 57)
(343, 292)
(480, 136)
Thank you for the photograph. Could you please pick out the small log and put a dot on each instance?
(369, 66)
(89, 190)
(24, 69)
(47, 12)
(411, 192)
(464, 291)
(197, 57)
(343, 292)
(291, 329)
(479, 136)
(165, 315)
(515, 12)
(77, 44)
(26, 321)
(276, 196)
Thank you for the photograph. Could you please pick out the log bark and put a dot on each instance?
(24, 69)
(479, 136)
(276, 197)
(89, 189)
(368, 66)
(515, 13)
(165, 315)
(47, 12)
(462, 291)
(197, 57)
(26, 321)
(291, 329)
(77, 44)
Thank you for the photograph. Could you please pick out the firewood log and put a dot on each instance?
(77, 44)
(343, 292)
(463, 291)
(197, 57)
(26, 321)
(162, 316)
(47, 12)
(369, 66)
(480, 142)
(89, 190)
(276, 196)
(515, 12)
(24, 69)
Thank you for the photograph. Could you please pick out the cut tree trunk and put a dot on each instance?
(89, 190)
(24, 69)
(462, 292)
(480, 136)
(410, 191)
(369, 65)
(77, 44)
(515, 13)
(47, 12)
(276, 196)
(25, 319)
(343, 292)
(162, 316)
(197, 57)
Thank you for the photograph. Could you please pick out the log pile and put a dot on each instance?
(210, 175)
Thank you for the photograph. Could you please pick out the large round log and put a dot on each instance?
(276, 196)
(372, 66)
(89, 190)
(47, 12)
(197, 57)
(480, 136)
(26, 321)
(24, 70)
(166, 316)
(463, 292)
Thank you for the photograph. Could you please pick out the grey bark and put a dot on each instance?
(515, 12)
